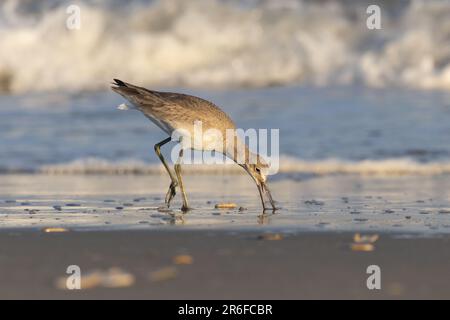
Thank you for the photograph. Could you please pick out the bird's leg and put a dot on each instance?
(185, 206)
(171, 192)
(261, 196)
(263, 189)
(267, 191)
(174, 183)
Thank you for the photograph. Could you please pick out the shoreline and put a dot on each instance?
(407, 204)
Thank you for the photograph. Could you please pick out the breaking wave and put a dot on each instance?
(288, 165)
(219, 43)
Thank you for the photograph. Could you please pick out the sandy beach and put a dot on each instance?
(303, 251)
(347, 105)
(224, 265)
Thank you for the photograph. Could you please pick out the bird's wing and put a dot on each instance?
(172, 105)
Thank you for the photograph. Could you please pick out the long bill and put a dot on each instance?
(263, 190)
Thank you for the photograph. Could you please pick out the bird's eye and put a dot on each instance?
(258, 170)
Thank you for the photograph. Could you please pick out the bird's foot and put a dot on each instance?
(273, 205)
(171, 193)
(273, 209)
(185, 208)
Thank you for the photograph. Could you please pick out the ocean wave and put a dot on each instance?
(218, 43)
(288, 165)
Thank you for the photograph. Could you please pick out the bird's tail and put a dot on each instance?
(136, 95)
(125, 89)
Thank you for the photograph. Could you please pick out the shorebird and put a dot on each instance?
(176, 111)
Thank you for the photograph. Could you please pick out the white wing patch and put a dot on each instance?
(124, 107)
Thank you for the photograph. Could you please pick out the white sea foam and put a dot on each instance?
(288, 165)
(222, 43)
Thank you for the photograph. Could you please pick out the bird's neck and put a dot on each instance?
(240, 153)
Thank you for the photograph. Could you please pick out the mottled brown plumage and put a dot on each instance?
(176, 111)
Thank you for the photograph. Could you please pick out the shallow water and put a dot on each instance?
(321, 129)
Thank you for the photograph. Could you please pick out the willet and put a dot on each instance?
(176, 111)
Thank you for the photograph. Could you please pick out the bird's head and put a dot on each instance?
(255, 166)
(258, 171)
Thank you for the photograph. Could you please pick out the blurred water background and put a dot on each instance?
(345, 98)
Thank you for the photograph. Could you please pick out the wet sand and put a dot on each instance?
(331, 203)
(114, 222)
(224, 265)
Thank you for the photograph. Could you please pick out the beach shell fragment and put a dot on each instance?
(111, 278)
(229, 205)
(117, 278)
(183, 259)
(270, 236)
(55, 230)
(362, 247)
(91, 280)
(88, 281)
(163, 274)
(363, 242)
(358, 238)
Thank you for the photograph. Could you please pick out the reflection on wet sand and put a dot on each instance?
(346, 202)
